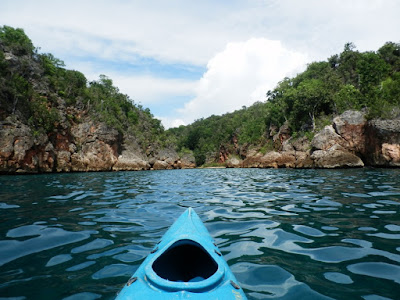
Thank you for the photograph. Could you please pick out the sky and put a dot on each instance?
(187, 60)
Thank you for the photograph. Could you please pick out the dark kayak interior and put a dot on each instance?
(185, 261)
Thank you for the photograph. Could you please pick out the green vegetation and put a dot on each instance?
(205, 136)
(38, 90)
(16, 40)
(308, 101)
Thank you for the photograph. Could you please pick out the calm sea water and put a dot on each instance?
(287, 234)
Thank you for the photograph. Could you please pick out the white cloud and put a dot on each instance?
(240, 75)
(192, 33)
(151, 90)
(169, 122)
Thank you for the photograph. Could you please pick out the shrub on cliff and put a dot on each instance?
(38, 89)
(349, 80)
(16, 41)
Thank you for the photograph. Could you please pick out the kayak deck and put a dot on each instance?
(186, 264)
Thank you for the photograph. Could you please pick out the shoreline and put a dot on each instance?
(197, 168)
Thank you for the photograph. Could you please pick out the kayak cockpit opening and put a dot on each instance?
(185, 261)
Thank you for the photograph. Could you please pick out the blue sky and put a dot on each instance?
(190, 59)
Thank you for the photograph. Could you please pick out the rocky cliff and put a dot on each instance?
(54, 120)
(87, 146)
(350, 141)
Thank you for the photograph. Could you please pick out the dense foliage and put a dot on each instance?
(350, 80)
(38, 90)
(205, 136)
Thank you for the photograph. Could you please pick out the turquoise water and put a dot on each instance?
(287, 234)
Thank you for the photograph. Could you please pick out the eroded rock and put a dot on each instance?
(334, 158)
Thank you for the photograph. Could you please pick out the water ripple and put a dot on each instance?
(287, 234)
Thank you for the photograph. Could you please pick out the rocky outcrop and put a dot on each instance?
(185, 161)
(282, 136)
(169, 159)
(350, 126)
(326, 139)
(131, 157)
(22, 151)
(330, 151)
(351, 141)
(383, 143)
(86, 146)
(271, 159)
(93, 147)
(335, 157)
(234, 162)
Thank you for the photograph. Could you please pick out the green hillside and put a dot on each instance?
(37, 89)
(349, 80)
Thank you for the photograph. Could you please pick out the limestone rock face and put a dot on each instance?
(253, 159)
(130, 162)
(350, 141)
(282, 135)
(303, 160)
(168, 155)
(271, 159)
(233, 162)
(326, 138)
(334, 158)
(132, 157)
(351, 127)
(301, 144)
(391, 154)
(21, 151)
(97, 147)
(340, 145)
(186, 161)
(383, 143)
(161, 165)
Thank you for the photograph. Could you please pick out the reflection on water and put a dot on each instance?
(306, 234)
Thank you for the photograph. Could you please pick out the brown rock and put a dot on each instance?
(132, 157)
(130, 162)
(326, 138)
(301, 144)
(303, 160)
(333, 158)
(382, 140)
(95, 156)
(283, 135)
(161, 165)
(234, 162)
(287, 145)
(187, 161)
(351, 127)
(391, 153)
(252, 159)
(271, 159)
(168, 155)
(63, 161)
(98, 147)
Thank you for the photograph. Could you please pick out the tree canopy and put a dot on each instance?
(349, 80)
(38, 89)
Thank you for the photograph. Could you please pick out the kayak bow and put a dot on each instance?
(185, 264)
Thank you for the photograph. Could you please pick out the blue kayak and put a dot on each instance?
(185, 264)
